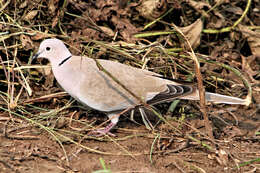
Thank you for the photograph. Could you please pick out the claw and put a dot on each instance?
(103, 132)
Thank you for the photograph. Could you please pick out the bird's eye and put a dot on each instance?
(48, 48)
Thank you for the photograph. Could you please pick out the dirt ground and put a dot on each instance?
(130, 150)
(44, 130)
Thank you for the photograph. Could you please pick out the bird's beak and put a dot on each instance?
(36, 55)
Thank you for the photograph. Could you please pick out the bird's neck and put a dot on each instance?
(64, 60)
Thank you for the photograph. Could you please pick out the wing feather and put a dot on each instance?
(172, 92)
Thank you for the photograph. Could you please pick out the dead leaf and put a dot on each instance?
(199, 6)
(222, 157)
(246, 66)
(122, 4)
(40, 36)
(219, 2)
(26, 42)
(232, 131)
(152, 9)
(253, 38)
(107, 30)
(217, 20)
(47, 71)
(102, 4)
(125, 28)
(235, 10)
(90, 33)
(30, 15)
(49, 77)
(23, 5)
(192, 33)
(55, 20)
(52, 7)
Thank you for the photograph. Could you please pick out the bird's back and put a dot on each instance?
(82, 79)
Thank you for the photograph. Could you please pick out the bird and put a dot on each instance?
(81, 78)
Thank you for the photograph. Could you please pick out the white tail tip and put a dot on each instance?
(218, 98)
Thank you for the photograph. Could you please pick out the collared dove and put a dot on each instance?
(83, 80)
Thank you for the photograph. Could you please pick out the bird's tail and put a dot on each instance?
(218, 98)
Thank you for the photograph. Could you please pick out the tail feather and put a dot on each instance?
(218, 98)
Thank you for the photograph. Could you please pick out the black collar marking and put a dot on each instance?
(63, 61)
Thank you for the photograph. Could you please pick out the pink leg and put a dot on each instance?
(114, 117)
(105, 131)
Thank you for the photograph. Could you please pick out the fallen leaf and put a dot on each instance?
(26, 42)
(40, 36)
(125, 28)
(51, 7)
(253, 38)
(199, 6)
(235, 10)
(246, 66)
(107, 30)
(217, 20)
(222, 157)
(152, 9)
(232, 131)
(55, 20)
(23, 5)
(30, 15)
(192, 33)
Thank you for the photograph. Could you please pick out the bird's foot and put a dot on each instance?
(103, 132)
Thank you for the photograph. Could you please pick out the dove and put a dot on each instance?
(81, 78)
